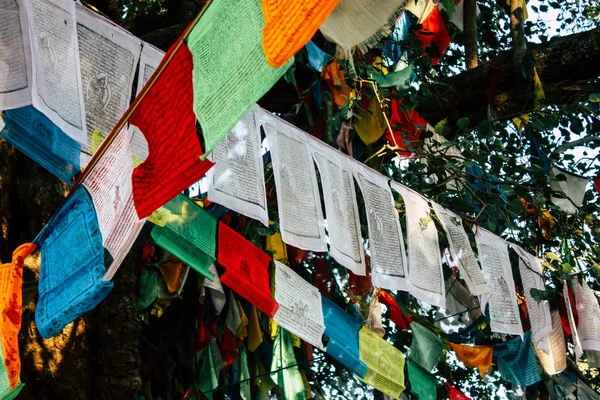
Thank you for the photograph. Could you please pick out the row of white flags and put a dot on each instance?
(73, 65)
(237, 182)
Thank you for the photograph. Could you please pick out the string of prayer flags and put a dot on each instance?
(30, 131)
(554, 361)
(108, 57)
(540, 318)
(460, 248)
(165, 116)
(300, 311)
(237, 180)
(571, 188)
(300, 216)
(474, 356)
(386, 245)
(426, 346)
(188, 232)
(109, 184)
(56, 79)
(434, 35)
(588, 326)
(516, 361)
(341, 210)
(574, 334)
(361, 23)
(454, 393)
(289, 25)
(342, 330)
(422, 383)
(15, 89)
(424, 261)
(149, 61)
(11, 282)
(495, 263)
(385, 363)
(231, 72)
(316, 57)
(72, 265)
(246, 269)
(287, 375)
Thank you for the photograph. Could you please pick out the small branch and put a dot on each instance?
(576, 143)
(519, 43)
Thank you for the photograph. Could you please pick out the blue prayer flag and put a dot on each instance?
(516, 361)
(72, 265)
(317, 57)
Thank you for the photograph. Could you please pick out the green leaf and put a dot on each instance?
(463, 123)
(551, 256)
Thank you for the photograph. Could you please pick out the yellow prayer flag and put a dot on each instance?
(254, 333)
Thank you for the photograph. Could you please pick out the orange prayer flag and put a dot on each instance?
(11, 283)
(334, 78)
(171, 272)
(474, 356)
(290, 24)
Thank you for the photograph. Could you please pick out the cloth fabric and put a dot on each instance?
(255, 334)
(399, 80)
(454, 393)
(342, 330)
(208, 380)
(30, 131)
(422, 383)
(426, 347)
(275, 245)
(516, 361)
(148, 291)
(189, 233)
(433, 32)
(407, 126)
(370, 123)
(401, 320)
(11, 303)
(334, 79)
(72, 265)
(288, 379)
(231, 72)
(246, 269)
(572, 187)
(474, 356)
(393, 49)
(6, 393)
(166, 118)
(289, 25)
(316, 57)
(362, 23)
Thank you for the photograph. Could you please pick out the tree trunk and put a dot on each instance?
(470, 32)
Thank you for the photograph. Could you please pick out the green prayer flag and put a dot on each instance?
(189, 233)
(6, 393)
(148, 288)
(422, 383)
(244, 379)
(230, 68)
(209, 380)
(426, 346)
(284, 370)
(400, 80)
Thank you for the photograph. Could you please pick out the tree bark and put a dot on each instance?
(470, 32)
(517, 20)
(567, 67)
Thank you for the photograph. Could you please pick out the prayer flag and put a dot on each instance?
(342, 330)
(370, 124)
(433, 30)
(516, 361)
(289, 24)
(422, 383)
(30, 131)
(426, 347)
(474, 356)
(334, 79)
(571, 188)
(72, 265)
(316, 57)
(285, 371)
(454, 393)
(385, 363)
(407, 126)
(401, 320)
(231, 72)
(188, 233)
(166, 118)
(246, 269)
(11, 303)
(6, 393)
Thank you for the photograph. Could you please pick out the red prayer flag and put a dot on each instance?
(166, 118)
(433, 30)
(454, 393)
(597, 184)
(228, 347)
(406, 126)
(246, 269)
(401, 320)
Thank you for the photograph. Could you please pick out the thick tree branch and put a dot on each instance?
(576, 143)
(567, 67)
(470, 32)
(519, 42)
